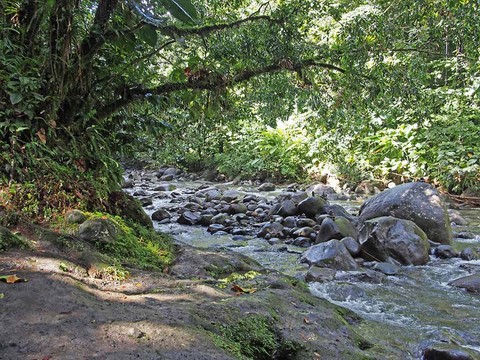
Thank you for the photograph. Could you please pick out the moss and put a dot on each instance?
(252, 337)
(135, 245)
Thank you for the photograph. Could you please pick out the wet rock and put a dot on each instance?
(287, 208)
(346, 292)
(98, 231)
(165, 187)
(419, 202)
(171, 171)
(274, 241)
(140, 192)
(267, 187)
(332, 254)
(189, 218)
(220, 219)
(456, 217)
(352, 246)
(146, 201)
(273, 229)
(167, 177)
(386, 237)
(311, 206)
(468, 254)
(213, 228)
(238, 208)
(465, 235)
(319, 274)
(290, 222)
(303, 232)
(445, 252)
(128, 184)
(364, 275)
(305, 222)
(295, 196)
(75, 217)
(160, 215)
(434, 353)
(336, 210)
(471, 283)
(386, 268)
(302, 241)
(232, 195)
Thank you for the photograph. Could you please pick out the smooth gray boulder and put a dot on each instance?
(388, 237)
(331, 254)
(160, 215)
(417, 201)
(189, 218)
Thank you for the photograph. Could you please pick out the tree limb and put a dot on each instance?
(211, 81)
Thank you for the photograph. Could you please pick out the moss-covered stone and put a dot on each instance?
(9, 240)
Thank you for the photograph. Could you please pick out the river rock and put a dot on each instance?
(338, 210)
(352, 245)
(287, 208)
(386, 268)
(320, 189)
(441, 353)
(160, 215)
(445, 252)
(273, 229)
(311, 206)
(456, 218)
(167, 177)
(471, 283)
(302, 241)
(238, 208)
(386, 237)
(266, 187)
(303, 232)
(318, 274)
(331, 254)
(337, 228)
(220, 219)
(100, 231)
(165, 187)
(346, 292)
(290, 222)
(305, 222)
(232, 195)
(128, 184)
(468, 254)
(419, 202)
(189, 218)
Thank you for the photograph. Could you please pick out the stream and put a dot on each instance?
(412, 310)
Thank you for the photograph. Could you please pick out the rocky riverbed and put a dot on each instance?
(394, 260)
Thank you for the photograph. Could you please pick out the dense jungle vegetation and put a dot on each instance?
(284, 88)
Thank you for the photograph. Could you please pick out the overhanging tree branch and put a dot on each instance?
(210, 81)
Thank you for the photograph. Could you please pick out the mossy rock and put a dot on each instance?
(9, 240)
(127, 207)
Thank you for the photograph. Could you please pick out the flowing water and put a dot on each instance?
(412, 310)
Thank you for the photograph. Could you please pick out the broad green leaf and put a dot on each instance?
(15, 98)
(148, 35)
(183, 10)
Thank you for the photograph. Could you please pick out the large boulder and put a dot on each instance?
(417, 201)
(388, 237)
(124, 205)
(332, 254)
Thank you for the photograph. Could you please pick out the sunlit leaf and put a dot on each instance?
(15, 98)
(183, 10)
